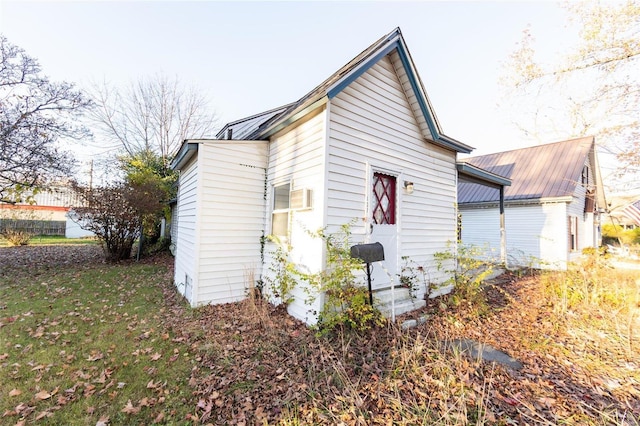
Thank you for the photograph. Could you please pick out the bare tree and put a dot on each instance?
(152, 115)
(594, 88)
(35, 114)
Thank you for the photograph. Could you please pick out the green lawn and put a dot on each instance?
(44, 240)
(88, 344)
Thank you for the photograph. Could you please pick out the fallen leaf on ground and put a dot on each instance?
(42, 395)
(130, 409)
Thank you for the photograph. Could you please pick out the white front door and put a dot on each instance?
(384, 229)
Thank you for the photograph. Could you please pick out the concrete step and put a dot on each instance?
(385, 295)
(401, 306)
(402, 301)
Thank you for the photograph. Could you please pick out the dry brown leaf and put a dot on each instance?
(43, 414)
(42, 395)
(130, 409)
(103, 421)
(15, 392)
(159, 418)
(95, 356)
(9, 413)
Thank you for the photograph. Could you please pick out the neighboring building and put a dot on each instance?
(364, 147)
(632, 212)
(552, 208)
(46, 213)
(623, 210)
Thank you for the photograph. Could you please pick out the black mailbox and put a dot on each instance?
(368, 253)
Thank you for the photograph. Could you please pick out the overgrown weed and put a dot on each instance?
(591, 292)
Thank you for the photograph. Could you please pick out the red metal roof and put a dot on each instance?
(543, 171)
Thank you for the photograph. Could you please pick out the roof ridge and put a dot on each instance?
(538, 146)
(335, 76)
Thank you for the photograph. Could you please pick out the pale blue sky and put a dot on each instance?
(253, 56)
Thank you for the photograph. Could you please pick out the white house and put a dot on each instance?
(551, 210)
(363, 147)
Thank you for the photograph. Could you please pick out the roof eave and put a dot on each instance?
(482, 176)
(447, 142)
(187, 150)
(425, 104)
(522, 202)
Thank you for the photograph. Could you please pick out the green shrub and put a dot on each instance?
(467, 271)
(346, 301)
(412, 275)
(284, 273)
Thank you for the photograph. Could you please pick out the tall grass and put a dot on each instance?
(592, 292)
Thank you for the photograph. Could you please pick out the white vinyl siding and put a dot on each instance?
(536, 234)
(373, 124)
(587, 230)
(220, 210)
(296, 157)
(232, 217)
(185, 243)
(173, 227)
(411, 97)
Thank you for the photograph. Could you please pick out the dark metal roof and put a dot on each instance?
(243, 128)
(542, 171)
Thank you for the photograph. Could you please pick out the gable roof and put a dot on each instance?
(538, 172)
(263, 125)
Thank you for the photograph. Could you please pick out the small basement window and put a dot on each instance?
(280, 216)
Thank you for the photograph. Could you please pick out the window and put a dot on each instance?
(280, 215)
(585, 176)
(384, 199)
(573, 233)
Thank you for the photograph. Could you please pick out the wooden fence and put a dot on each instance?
(35, 227)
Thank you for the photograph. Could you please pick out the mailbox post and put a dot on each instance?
(368, 253)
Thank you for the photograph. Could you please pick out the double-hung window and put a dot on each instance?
(281, 210)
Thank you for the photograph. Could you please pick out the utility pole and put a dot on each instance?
(91, 175)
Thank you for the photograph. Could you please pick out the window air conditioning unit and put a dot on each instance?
(301, 199)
